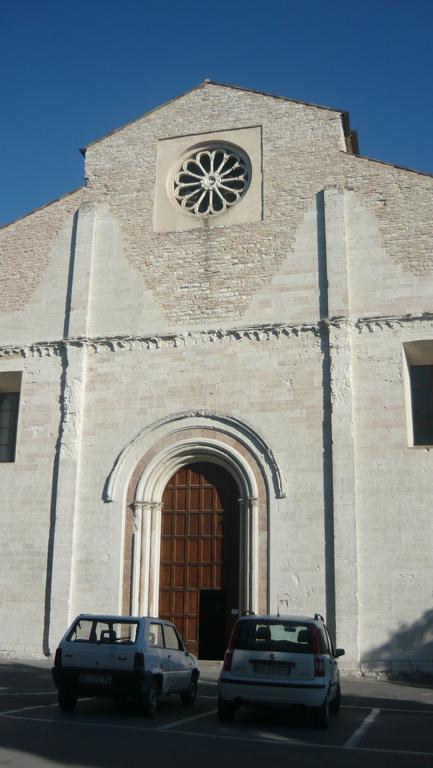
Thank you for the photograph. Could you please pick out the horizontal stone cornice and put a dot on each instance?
(254, 333)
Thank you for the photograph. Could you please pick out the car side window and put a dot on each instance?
(324, 640)
(156, 639)
(331, 644)
(172, 640)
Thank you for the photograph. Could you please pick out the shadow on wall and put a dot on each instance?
(407, 655)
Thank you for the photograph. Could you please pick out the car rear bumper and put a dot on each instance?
(244, 690)
(81, 681)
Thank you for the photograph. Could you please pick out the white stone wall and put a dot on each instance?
(267, 379)
(393, 503)
(26, 506)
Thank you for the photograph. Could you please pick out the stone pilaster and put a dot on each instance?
(249, 561)
(66, 475)
(343, 528)
(136, 557)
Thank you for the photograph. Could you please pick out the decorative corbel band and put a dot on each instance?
(254, 333)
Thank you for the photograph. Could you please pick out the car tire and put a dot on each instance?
(321, 714)
(334, 705)
(67, 700)
(150, 700)
(226, 710)
(189, 696)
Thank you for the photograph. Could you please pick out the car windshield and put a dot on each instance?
(103, 631)
(287, 636)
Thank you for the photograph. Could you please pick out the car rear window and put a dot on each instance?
(287, 636)
(103, 631)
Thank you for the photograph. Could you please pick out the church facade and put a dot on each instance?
(216, 385)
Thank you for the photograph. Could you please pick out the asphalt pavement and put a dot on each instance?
(380, 724)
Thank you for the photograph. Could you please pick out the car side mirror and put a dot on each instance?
(339, 652)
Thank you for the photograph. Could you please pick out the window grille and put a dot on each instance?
(8, 424)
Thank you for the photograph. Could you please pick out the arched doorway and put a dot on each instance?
(199, 558)
(146, 467)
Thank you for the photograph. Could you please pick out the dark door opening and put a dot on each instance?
(199, 567)
(212, 640)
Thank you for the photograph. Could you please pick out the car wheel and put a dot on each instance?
(67, 700)
(150, 700)
(226, 710)
(321, 714)
(189, 696)
(334, 705)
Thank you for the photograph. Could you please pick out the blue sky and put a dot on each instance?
(73, 71)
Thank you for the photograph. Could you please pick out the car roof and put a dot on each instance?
(281, 617)
(117, 618)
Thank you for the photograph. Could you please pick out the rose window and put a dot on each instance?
(210, 181)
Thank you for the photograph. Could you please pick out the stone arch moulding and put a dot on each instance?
(147, 437)
(142, 470)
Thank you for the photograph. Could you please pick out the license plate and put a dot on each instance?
(89, 677)
(269, 668)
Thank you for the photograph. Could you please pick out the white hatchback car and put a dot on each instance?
(280, 660)
(122, 656)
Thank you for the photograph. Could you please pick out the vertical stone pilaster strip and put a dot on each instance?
(248, 555)
(144, 576)
(342, 421)
(136, 557)
(79, 306)
(253, 554)
(66, 475)
(243, 558)
(155, 557)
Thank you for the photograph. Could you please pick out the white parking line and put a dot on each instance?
(297, 743)
(25, 709)
(363, 728)
(168, 726)
(275, 741)
(75, 722)
(28, 693)
(390, 709)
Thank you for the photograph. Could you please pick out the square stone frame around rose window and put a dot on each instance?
(169, 216)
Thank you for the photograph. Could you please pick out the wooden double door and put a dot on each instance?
(199, 565)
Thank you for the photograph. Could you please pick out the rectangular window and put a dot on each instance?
(8, 424)
(10, 386)
(421, 386)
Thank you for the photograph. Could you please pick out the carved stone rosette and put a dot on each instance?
(210, 181)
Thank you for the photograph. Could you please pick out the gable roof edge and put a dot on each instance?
(344, 114)
(389, 164)
(41, 207)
